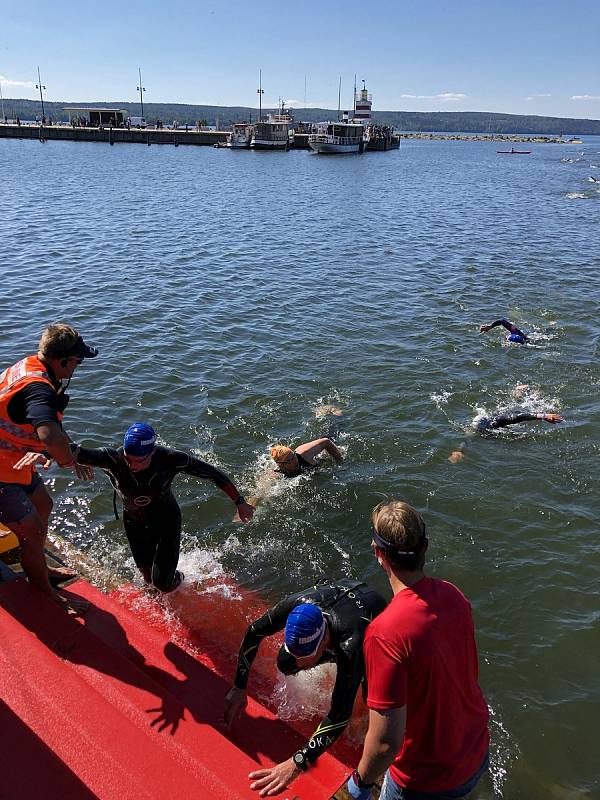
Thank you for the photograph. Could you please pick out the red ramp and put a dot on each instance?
(111, 708)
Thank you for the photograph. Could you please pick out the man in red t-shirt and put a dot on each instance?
(428, 719)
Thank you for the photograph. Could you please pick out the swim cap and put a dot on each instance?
(139, 439)
(516, 338)
(304, 630)
(280, 452)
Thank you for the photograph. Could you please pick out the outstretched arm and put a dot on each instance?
(310, 450)
(200, 469)
(503, 420)
(505, 324)
(271, 622)
(274, 779)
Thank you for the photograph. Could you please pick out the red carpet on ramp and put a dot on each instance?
(110, 707)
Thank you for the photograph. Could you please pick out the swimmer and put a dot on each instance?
(141, 473)
(325, 623)
(295, 462)
(484, 424)
(515, 335)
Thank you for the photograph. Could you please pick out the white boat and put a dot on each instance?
(340, 137)
(276, 133)
(240, 136)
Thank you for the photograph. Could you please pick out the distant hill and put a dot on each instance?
(430, 121)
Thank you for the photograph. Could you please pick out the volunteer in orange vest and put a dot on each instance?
(32, 402)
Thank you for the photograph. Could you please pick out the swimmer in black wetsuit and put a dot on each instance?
(515, 335)
(141, 473)
(294, 462)
(484, 424)
(325, 623)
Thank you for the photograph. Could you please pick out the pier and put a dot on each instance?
(208, 138)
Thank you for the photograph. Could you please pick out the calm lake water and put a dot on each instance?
(233, 293)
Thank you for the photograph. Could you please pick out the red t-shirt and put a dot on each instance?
(420, 653)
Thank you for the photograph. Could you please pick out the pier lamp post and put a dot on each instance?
(40, 86)
(260, 91)
(141, 89)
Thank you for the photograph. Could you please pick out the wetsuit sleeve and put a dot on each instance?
(183, 462)
(34, 404)
(508, 326)
(350, 672)
(101, 457)
(502, 420)
(271, 622)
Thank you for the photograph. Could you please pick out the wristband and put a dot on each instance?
(300, 760)
(359, 781)
(241, 499)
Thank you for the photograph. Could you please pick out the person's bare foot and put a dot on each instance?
(58, 575)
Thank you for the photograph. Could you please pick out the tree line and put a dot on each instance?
(419, 121)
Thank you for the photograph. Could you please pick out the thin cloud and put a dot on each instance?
(22, 84)
(585, 97)
(536, 96)
(444, 97)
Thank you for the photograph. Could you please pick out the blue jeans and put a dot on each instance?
(392, 791)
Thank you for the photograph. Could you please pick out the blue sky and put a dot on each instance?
(514, 57)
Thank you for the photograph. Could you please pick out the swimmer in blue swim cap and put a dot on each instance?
(514, 334)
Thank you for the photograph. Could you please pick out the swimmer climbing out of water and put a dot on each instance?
(515, 335)
(142, 472)
(483, 424)
(323, 624)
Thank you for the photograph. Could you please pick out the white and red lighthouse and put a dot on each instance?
(363, 102)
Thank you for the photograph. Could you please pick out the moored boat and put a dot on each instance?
(240, 136)
(274, 133)
(339, 137)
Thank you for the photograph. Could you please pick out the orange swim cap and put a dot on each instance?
(279, 452)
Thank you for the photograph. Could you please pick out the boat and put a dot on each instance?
(274, 133)
(240, 136)
(513, 152)
(344, 136)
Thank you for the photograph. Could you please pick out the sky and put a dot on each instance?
(532, 57)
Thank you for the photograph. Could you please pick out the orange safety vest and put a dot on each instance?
(16, 440)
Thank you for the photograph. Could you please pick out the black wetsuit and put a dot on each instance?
(503, 420)
(348, 607)
(303, 466)
(509, 326)
(151, 515)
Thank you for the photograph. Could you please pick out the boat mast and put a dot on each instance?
(354, 107)
(339, 97)
(260, 92)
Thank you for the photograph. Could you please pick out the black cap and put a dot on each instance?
(82, 350)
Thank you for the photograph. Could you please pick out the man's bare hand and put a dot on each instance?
(33, 459)
(236, 701)
(83, 473)
(274, 779)
(245, 512)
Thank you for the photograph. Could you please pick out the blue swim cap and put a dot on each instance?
(139, 439)
(304, 630)
(516, 338)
